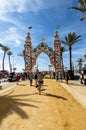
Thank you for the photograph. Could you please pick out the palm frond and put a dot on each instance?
(21, 54)
(81, 8)
(81, 19)
(1, 45)
(9, 53)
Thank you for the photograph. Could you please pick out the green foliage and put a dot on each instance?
(81, 8)
(71, 38)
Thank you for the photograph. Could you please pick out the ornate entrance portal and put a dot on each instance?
(31, 54)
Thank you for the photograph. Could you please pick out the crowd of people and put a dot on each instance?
(38, 77)
(83, 77)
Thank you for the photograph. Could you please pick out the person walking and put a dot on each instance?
(36, 77)
(81, 76)
(31, 78)
(84, 79)
(40, 82)
(17, 79)
(56, 76)
(67, 77)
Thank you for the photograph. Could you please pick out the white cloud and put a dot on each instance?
(12, 6)
(30, 5)
(1, 52)
(7, 7)
(42, 61)
(16, 61)
(7, 18)
(17, 42)
(11, 37)
(11, 14)
(78, 52)
(75, 52)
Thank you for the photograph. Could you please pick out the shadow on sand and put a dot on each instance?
(52, 95)
(71, 83)
(12, 103)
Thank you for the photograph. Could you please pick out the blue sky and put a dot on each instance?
(43, 15)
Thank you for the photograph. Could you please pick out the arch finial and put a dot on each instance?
(43, 39)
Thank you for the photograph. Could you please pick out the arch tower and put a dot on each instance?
(31, 54)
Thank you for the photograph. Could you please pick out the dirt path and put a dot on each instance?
(55, 109)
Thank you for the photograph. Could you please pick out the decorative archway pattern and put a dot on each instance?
(32, 54)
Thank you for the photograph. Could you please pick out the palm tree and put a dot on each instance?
(81, 8)
(1, 45)
(62, 50)
(80, 62)
(9, 54)
(71, 39)
(21, 54)
(5, 49)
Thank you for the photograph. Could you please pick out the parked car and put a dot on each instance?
(12, 77)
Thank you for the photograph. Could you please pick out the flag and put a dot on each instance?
(30, 27)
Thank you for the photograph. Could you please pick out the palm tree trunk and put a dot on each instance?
(71, 73)
(3, 61)
(62, 68)
(10, 64)
(70, 51)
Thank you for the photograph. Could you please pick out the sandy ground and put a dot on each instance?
(55, 109)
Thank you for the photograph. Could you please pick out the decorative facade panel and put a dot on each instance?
(31, 54)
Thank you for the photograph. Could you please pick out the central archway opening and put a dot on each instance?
(43, 63)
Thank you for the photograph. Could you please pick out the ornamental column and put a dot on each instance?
(28, 53)
(57, 53)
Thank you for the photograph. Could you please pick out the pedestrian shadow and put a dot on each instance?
(43, 89)
(12, 104)
(55, 96)
(21, 84)
(20, 95)
(45, 85)
(33, 86)
(72, 83)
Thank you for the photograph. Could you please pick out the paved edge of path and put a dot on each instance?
(7, 89)
(79, 97)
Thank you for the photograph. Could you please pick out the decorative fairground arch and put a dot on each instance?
(31, 54)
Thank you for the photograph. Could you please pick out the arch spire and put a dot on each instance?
(32, 54)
